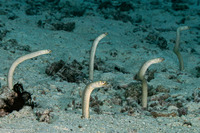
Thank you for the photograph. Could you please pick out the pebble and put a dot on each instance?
(172, 108)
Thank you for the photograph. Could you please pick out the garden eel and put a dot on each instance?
(92, 54)
(141, 77)
(176, 46)
(20, 60)
(86, 96)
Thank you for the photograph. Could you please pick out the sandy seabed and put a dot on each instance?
(137, 32)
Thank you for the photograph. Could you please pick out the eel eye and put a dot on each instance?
(104, 83)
